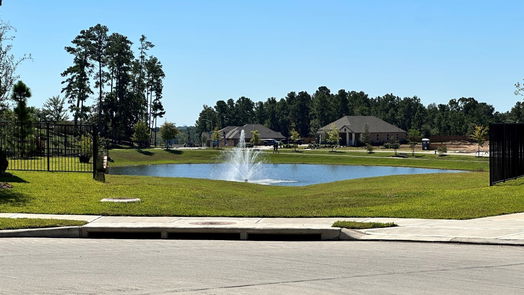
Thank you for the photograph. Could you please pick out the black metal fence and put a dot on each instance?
(506, 152)
(43, 146)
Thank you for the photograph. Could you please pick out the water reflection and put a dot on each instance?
(275, 174)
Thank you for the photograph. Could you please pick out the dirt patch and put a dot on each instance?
(461, 146)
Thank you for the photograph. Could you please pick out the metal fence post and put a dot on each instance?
(95, 150)
(57, 144)
(47, 147)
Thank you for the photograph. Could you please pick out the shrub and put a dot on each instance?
(392, 145)
(442, 150)
(369, 148)
(86, 149)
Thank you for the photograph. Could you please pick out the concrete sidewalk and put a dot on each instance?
(503, 229)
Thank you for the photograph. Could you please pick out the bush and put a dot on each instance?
(369, 148)
(442, 150)
(392, 145)
(86, 149)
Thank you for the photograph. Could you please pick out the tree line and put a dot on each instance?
(108, 84)
(128, 85)
(306, 113)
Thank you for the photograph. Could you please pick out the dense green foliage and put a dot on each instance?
(18, 223)
(141, 134)
(129, 88)
(306, 113)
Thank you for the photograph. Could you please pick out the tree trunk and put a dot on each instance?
(75, 120)
(100, 97)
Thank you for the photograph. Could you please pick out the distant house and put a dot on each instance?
(230, 135)
(352, 128)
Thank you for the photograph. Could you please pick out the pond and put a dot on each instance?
(275, 174)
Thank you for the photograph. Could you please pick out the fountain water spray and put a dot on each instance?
(243, 163)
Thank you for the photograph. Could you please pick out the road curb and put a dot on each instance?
(51, 232)
(443, 240)
(313, 234)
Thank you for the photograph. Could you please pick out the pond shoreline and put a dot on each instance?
(276, 174)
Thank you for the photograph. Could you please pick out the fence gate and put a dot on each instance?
(506, 152)
(43, 146)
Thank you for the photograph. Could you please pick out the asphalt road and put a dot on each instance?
(88, 266)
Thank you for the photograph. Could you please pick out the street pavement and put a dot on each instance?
(100, 266)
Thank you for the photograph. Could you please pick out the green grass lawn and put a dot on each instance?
(362, 225)
(129, 157)
(457, 195)
(17, 223)
(132, 157)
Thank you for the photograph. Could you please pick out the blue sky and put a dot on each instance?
(213, 50)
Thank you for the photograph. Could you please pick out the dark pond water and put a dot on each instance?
(275, 174)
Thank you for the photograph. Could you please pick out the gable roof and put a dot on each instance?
(233, 132)
(357, 124)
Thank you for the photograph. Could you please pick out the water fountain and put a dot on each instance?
(243, 164)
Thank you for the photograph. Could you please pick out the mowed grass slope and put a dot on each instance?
(459, 195)
(132, 157)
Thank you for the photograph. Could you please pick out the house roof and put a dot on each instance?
(233, 132)
(357, 124)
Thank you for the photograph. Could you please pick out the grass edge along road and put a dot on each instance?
(19, 223)
(362, 225)
(451, 196)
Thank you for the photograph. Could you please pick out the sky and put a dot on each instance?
(211, 50)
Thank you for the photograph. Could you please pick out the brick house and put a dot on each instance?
(352, 128)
